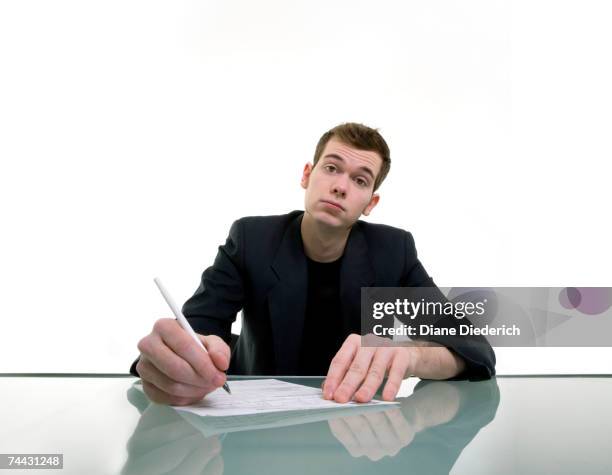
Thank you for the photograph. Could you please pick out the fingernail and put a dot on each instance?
(224, 364)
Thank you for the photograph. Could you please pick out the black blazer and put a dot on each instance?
(262, 269)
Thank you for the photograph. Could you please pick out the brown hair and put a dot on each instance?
(360, 137)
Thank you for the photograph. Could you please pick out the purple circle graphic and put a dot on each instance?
(594, 300)
(570, 297)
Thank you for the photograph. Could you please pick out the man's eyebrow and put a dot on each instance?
(338, 157)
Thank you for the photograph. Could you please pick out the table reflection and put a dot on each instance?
(426, 433)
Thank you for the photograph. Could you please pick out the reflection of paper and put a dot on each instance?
(211, 425)
(260, 396)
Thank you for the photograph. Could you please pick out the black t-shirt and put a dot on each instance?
(322, 335)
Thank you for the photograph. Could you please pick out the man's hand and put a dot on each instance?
(175, 370)
(357, 372)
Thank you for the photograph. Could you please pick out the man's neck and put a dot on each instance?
(322, 243)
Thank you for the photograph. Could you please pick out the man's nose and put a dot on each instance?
(339, 188)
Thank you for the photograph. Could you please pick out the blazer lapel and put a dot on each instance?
(356, 272)
(287, 299)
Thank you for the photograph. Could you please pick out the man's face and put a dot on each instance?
(339, 189)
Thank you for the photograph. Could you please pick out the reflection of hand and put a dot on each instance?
(163, 442)
(374, 434)
(377, 434)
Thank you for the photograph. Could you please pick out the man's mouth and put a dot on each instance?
(333, 204)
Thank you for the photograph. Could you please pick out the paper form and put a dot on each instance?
(260, 396)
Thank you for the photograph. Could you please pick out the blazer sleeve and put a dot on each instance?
(213, 307)
(476, 351)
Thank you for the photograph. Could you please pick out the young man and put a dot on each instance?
(298, 278)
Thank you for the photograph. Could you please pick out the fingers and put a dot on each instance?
(339, 365)
(218, 351)
(168, 362)
(374, 435)
(401, 427)
(397, 372)
(149, 373)
(375, 375)
(367, 443)
(178, 371)
(355, 374)
(341, 431)
(385, 434)
(181, 343)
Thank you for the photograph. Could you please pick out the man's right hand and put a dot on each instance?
(175, 370)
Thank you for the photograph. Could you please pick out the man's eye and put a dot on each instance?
(361, 182)
(330, 168)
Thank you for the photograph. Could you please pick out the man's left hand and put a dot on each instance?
(357, 372)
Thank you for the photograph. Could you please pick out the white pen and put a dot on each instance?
(182, 320)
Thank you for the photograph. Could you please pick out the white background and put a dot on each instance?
(133, 133)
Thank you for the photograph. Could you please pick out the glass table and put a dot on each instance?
(104, 424)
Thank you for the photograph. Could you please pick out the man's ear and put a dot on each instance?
(306, 175)
(373, 202)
